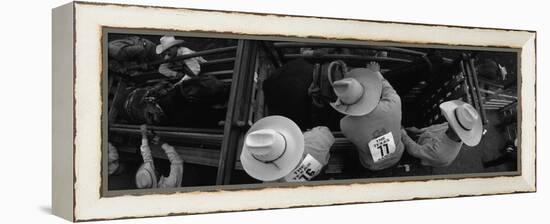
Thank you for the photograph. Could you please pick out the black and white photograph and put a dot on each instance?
(194, 110)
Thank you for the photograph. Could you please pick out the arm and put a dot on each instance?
(191, 66)
(171, 153)
(388, 93)
(176, 168)
(426, 152)
(165, 70)
(145, 149)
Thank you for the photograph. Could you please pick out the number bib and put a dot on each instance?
(382, 147)
(308, 169)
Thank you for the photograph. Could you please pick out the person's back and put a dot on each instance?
(376, 149)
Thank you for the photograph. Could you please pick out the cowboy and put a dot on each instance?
(130, 53)
(170, 47)
(438, 145)
(276, 150)
(373, 116)
(146, 176)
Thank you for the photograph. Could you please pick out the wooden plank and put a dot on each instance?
(498, 93)
(218, 61)
(166, 128)
(188, 137)
(238, 108)
(210, 157)
(218, 73)
(200, 156)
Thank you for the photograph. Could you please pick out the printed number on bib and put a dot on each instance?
(382, 147)
(308, 169)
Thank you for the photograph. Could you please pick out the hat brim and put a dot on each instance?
(288, 161)
(469, 137)
(372, 85)
(147, 170)
(161, 48)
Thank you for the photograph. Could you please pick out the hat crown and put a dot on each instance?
(144, 177)
(466, 116)
(265, 144)
(167, 39)
(348, 90)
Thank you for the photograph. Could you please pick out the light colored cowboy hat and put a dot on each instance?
(464, 119)
(146, 177)
(167, 42)
(272, 148)
(358, 92)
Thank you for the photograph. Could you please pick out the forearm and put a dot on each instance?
(171, 153)
(424, 152)
(146, 150)
(165, 70)
(176, 167)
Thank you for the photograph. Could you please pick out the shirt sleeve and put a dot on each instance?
(176, 168)
(146, 151)
(165, 70)
(318, 142)
(171, 153)
(389, 94)
(426, 152)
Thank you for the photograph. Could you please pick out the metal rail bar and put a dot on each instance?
(196, 54)
(391, 49)
(346, 57)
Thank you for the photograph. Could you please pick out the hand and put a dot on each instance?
(374, 66)
(143, 129)
(155, 140)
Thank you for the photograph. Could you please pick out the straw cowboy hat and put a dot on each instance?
(272, 148)
(358, 92)
(167, 42)
(145, 176)
(464, 120)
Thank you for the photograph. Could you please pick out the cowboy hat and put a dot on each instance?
(358, 92)
(167, 42)
(464, 119)
(145, 176)
(272, 148)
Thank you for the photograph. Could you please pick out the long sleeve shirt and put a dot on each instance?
(192, 63)
(433, 146)
(384, 120)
